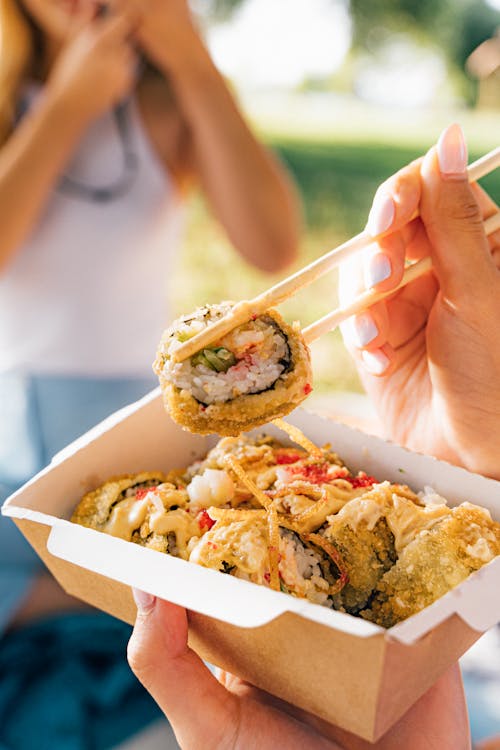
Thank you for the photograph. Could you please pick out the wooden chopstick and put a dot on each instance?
(370, 297)
(248, 309)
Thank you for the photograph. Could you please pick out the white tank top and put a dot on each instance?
(87, 293)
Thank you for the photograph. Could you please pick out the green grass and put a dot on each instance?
(338, 179)
(337, 175)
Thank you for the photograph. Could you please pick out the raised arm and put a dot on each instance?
(249, 191)
(95, 71)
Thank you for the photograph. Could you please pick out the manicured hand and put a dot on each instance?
(96, 69)
(165, 31)
(429, 357)
(228, 714)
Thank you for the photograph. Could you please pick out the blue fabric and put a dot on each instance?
(38, 417)
(64, 683)
(483, 702)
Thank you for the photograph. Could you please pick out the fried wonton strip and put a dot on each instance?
(323, 507)
(274, 542)
(298, 437)
(243, 476)
(230, 515)
(334, 555)
(404, 491)
(331, 501)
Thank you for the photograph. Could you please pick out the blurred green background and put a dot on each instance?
(340, 145)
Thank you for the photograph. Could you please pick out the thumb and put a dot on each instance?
(202, 713)
(453, 219)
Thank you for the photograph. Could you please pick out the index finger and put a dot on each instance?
(393, 208)
(396, 200)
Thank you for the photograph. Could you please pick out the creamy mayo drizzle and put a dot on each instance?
(126, 517)
(242, 543)
(404, 518)
(178, 522)
(129, 515)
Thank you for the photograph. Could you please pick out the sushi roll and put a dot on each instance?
(302, 524)
(259, 371)
(239, 544)
(144, 508)
(434, 561)
(369, 532)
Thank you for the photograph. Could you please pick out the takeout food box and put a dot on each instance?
(343, 669)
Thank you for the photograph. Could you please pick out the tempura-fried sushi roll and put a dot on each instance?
(261, 458)
(143, 508)
(259, 371)
(95, 508)
(239, 544)
(361, 535)
(369, 531)
(434, 562)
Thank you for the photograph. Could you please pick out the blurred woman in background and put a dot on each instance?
(108, 115)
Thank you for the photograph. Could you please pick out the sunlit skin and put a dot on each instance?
(59, 20)
(89, 66)
(232, 715)
(438, 393)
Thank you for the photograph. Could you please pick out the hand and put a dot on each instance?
(165, 31)
(95, 70)
(232, 715)
(429, 357)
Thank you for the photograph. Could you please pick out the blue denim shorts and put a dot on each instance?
(38, 417)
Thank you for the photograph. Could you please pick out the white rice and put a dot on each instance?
(261, 353)
(300, 569)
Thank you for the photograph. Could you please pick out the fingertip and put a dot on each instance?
(364, 330)
(381, 214)
(396, 201)
(377, 269)
(145, 602)
(377, 361)
(451, 152)
(384, 264)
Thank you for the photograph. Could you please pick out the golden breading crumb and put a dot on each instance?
(245, 411)
(303, 523)
(367, 555)
(94, 508)
(435, 562)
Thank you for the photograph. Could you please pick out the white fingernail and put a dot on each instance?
(144, 601)
(379, 269)
(376, 362)
(452, 151)
(381, 215)
(364, 329)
